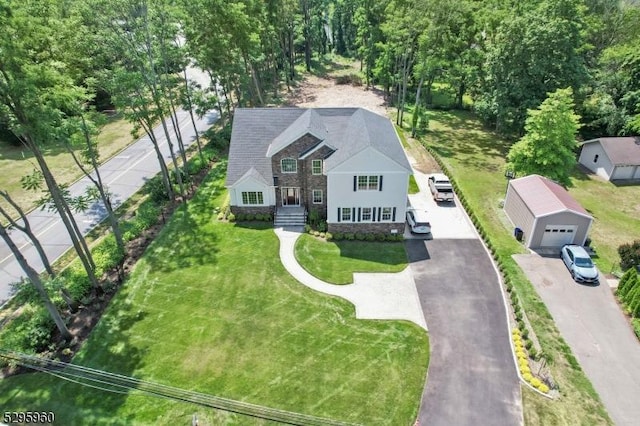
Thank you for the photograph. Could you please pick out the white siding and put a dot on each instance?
(637, 173)
(519, 214)
(395, 182)
(602, 166)
(250, 185)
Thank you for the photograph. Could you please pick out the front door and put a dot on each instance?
(290, 196)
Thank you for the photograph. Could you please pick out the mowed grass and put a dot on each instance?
(475, 158)
(210, 308)
(17, 161)
(336, 261)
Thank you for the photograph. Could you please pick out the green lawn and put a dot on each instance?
(413, 185)
(210, 308)
(335, 262)
(17, 161)
(475, 158)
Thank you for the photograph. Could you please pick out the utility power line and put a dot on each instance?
(118, 383)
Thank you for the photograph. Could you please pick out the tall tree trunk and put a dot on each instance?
(97, 182)
(77, 239)
(37, 283)
(26, 229)
(416, 110)
(462, 87)
(187, 92)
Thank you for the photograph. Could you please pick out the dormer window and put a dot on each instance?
(289, 165)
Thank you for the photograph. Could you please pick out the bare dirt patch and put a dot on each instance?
(319, 92)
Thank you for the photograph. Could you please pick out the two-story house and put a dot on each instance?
(346, 163)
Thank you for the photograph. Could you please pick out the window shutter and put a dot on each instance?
(373, 214)
(380, 189)
(359, 209)
(355, 183)
(353, 214)
(393, 219)
(379, 214)
(338, 214)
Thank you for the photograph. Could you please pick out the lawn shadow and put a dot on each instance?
(370, 251)
(186, 242)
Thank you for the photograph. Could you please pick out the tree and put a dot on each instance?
(37, 282)
(536, 51)
(548, 146)
(629, 255)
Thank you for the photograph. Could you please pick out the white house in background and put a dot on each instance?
(612, 158)
(346, 163)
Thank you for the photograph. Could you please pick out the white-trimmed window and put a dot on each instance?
(386, 213)
(368, 183)
(317, 196)
(316, 167)
(345, 216)
(289, 165)
(366, 214)
(251, 197)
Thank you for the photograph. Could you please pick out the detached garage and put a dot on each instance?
(546, 214)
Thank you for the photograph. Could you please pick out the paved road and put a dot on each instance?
(472, 377)
(599, 335)
(124, 174)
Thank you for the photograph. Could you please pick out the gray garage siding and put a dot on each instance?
(519, 214)
(603, 166)
(563, 218)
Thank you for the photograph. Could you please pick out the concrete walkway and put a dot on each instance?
(383, 296)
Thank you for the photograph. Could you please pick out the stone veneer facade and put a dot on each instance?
(253, 210)
(304, 177)
(366, 228)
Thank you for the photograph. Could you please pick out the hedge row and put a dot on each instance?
(629, 291)
(353, 236)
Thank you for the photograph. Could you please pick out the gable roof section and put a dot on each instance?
(367, 129)
(623, 151)
(251, 133)
(258, 133)
(544, 197)
(309, 122)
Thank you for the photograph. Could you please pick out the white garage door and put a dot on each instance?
(558, 235)
(623, 172)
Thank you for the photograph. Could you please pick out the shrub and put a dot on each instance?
(314, 217)
(307, 229)
(543, 388)
(627, 282)
(76, 281)
(525, 331)
(535, 382)
(322, 226)
(156, 190)
(328, 236)
(30, 332)
(629, 255)
(380, 237)
(360, 236)
(249, 217)
(241, 217)
(527, 377)
(349, 236)
(528, 344)
(518, 315)
(533, 353)
(323, 235)
(316, 233)
(231, 217)
(522, 326)
(338, 236)
(220, 216)
(370, 237)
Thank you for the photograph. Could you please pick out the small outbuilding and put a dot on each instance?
(544, 215)
(612, 158)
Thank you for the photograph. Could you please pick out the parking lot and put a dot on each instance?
(599, 335)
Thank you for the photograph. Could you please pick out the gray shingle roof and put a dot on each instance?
(622, 151)
(260, 132)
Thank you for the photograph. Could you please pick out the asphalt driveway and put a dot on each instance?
(472, 377)
(599, 335)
